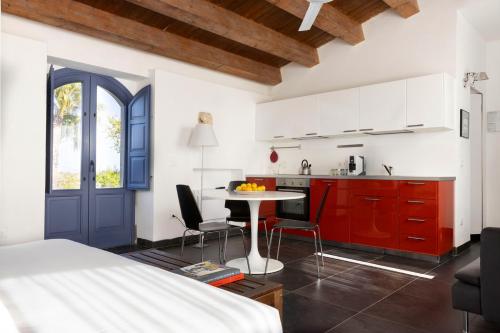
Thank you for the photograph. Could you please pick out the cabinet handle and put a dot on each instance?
(416, 202)
(415, 183)
(278, 136)
(373, 199)
(416, 125)
(365, 129)
(258, 179)
(416, 220)
(309, 134)
(416, 238)
(349, 131)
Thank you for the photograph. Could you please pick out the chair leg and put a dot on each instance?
(466, 328)
(182, 243)
(316, 251)
(245, 249)
(202, 239)
(265, 230)
(220, 249)
(225, 245)
(269, 250)
(279, 243)
(320, 246)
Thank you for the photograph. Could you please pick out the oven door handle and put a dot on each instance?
(289, 190)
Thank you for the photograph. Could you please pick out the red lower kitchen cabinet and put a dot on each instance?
(334, 223)
(374, 221)
(267, 208)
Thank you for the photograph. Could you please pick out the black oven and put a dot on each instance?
(297, 209)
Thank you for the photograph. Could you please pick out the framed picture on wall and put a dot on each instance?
(464, 124)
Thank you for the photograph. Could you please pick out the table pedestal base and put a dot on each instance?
(257, 266)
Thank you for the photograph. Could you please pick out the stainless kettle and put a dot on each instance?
(305, 168)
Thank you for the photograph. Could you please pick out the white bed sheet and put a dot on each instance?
(62, 286)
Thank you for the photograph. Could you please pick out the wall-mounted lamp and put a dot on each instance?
(471, 78)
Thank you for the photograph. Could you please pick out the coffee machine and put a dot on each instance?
(356, 165)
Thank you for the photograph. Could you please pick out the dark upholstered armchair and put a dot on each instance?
(478, 287)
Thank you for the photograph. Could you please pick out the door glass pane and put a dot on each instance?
(67, 137)
(108, 140)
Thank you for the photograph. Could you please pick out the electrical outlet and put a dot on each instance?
(461, 222)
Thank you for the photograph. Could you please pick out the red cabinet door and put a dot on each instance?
(334, 222)
(374, 221)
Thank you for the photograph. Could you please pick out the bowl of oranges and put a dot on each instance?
(249, 188)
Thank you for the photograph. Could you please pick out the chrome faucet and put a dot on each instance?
(388, 168)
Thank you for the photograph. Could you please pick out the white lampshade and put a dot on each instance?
(203, 135)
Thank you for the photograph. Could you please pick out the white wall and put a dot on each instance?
(22, 139)
(492, 103)
(177, 101)
(470, 57)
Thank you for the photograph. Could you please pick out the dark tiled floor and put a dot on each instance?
(358, 299)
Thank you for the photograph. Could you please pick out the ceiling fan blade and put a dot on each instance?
(312, 12)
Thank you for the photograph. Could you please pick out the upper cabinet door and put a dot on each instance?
(428, 102)
(339, 112)
(383, 107)
(285, 119)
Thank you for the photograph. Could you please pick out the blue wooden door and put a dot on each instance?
(87, 197)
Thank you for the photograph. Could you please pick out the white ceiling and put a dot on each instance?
(484, 15)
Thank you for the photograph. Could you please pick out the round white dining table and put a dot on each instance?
(257, 263)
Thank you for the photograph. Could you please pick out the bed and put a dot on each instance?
(63, 286)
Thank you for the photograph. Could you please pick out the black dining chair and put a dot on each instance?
(194, 222)
(240, 212)
(312, 226)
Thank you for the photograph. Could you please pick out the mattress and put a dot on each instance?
(63, 286)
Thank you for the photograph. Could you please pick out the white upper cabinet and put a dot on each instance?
(430, 102)
(288, 118)
(416, 104)
(382, 107)
(339, 112)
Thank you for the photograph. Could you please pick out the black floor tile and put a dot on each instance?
(417, 266)
(421, 304)
(354, 254)
(331, 266)
(293, 279)
(304, 315)
(355, 289)
(362, 323)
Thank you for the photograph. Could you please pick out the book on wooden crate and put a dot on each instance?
(211, 272)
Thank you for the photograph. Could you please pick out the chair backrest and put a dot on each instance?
(238, 208)
(189, 209)
(319, 212)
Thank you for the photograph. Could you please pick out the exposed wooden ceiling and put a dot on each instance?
(252, 39)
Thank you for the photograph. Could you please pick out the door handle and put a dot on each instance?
(92, 167)
(416, 202)
(415, 220)
(416, 238)
(415, 183)
(373, 199)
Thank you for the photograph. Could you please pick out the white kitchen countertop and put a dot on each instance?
(368, 177)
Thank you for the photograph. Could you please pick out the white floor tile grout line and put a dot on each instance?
(369, 264)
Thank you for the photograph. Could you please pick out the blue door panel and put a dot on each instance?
(109, 211)
(66, 217)
(138, 140)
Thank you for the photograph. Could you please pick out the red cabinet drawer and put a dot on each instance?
(374, 221)
(418, 189)
(417, 208)
(418, 226)
(418, 243)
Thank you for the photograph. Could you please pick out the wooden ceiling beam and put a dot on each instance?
(405, 8)
(81, 18)
(329, 19)
(225, 23)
